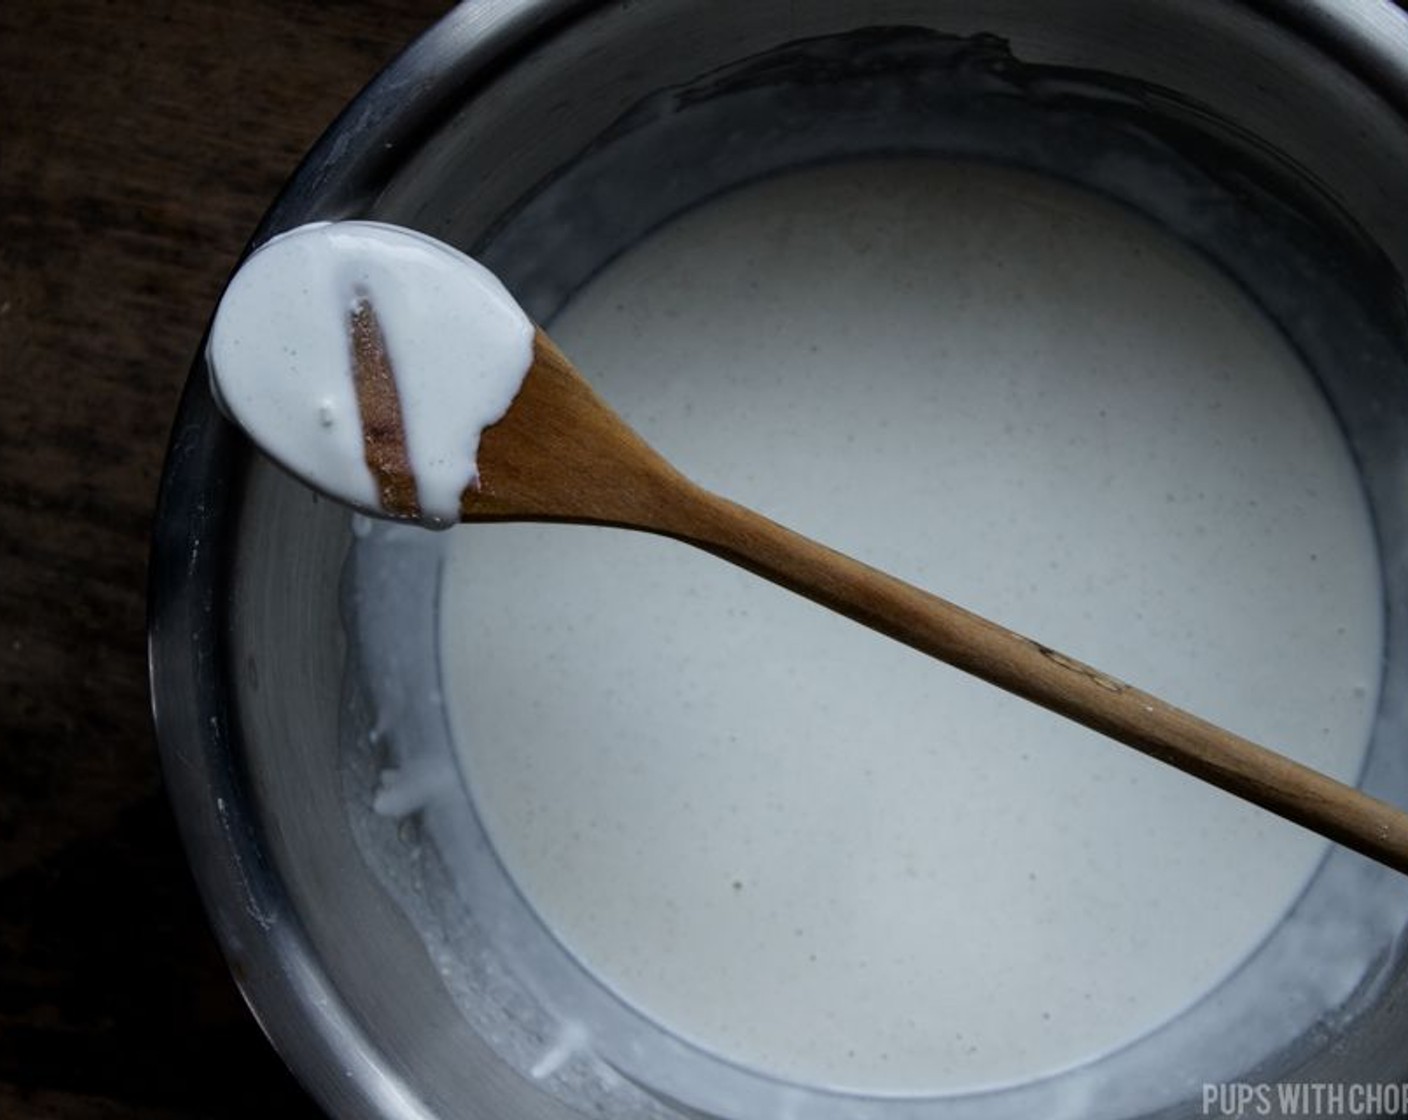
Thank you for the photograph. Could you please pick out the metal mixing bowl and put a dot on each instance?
(547, 135)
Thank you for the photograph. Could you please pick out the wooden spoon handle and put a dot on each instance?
(1046, 677)
(560, 454)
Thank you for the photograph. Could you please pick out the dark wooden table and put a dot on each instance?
(140, 140)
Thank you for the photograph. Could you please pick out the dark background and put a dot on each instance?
(139, 144)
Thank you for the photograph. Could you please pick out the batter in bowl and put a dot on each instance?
(817, 853)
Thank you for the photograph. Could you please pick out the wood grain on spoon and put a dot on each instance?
(562, 454)
(379, 404)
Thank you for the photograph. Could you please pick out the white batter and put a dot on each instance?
(819, 853)
(281, 362)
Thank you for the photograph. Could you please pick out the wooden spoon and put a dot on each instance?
(562, 454)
